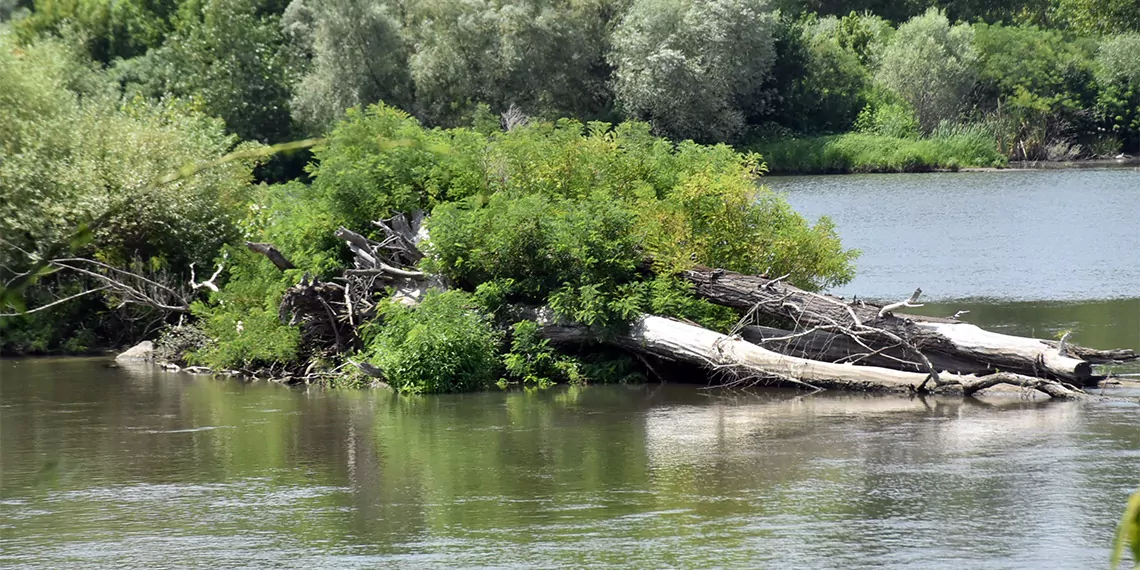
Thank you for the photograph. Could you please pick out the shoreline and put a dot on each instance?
(1013, 166)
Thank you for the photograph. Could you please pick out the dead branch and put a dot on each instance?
(274, 255)
(209, 283)
(911, 302)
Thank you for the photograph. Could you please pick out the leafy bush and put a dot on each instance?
(445, 344)
(242, 320)
(931, 65)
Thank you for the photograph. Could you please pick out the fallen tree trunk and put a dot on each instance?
(839, 348)
(877, 327)
(746, 362)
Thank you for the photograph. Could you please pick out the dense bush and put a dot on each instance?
(931, 65)
(445, 344)
(242, 320)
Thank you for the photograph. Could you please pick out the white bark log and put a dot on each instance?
(987, 346)
(688, 343)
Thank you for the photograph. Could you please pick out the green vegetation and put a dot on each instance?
(1128, 534)
(859, 152)
(591, 215)
(589, 220)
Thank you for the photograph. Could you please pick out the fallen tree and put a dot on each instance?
(830, 343)
(956, 346)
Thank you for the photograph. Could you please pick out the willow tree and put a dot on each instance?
(695, 70)
(544, 56)
(932, 65)
(357, 57)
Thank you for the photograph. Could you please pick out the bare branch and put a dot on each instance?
(911, 302)
(57, 302)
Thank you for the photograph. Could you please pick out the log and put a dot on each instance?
(833, 347)
(279, 260)
(804, 309)
(675, 340)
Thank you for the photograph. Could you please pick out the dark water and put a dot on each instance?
(114, 468)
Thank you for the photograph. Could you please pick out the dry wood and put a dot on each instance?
(272, 253)
(803, 309)
(675, 340)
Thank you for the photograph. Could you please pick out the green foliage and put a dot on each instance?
(931, 65)
(242, 320)
(1095, 17)
(358, 58)
(110, 28)
(855, 152)
(821, 83)
(545, 56)
(381, 161)
(445, 344)
(231, 55)
(70, 151)
(888, 116)
(1035, 83)
(533, 361)
(694, 69)
(1118, 75)
(1128, 534)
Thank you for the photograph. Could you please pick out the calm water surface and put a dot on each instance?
(134, 468)
(1027, 235)
(105, 467)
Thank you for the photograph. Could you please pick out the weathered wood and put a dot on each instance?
(675, 340)
(272, 253)
(833, 347)
(804, 309)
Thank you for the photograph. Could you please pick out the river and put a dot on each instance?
(130, 467)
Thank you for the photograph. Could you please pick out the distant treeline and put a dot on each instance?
(1039, 79)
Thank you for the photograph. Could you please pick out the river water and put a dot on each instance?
(130, 467)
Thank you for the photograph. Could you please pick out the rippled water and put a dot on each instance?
(1024, 235)
(105, 467)
(134, 468)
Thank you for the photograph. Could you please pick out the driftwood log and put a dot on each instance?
(745, 362)
(879, 330)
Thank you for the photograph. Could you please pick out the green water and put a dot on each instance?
(134, 468)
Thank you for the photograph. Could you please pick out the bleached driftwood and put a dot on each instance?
(675, 340)
(804, 310)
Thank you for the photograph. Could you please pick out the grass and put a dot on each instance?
(859, 152)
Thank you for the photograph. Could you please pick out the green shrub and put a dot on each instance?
(857, 152)
(241, 321)
(445, 344)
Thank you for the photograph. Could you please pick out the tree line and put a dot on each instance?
(99, 99)
(1044, 78)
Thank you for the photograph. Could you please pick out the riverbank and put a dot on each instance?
(858, 153)
(866, 153)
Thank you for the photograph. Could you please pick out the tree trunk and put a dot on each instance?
(746, 363)
(879, 328)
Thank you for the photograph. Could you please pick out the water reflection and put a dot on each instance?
(137, 468)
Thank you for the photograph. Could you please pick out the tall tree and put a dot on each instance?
(358, 57)
(931, 65)
(545, 56)
(694, 69)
